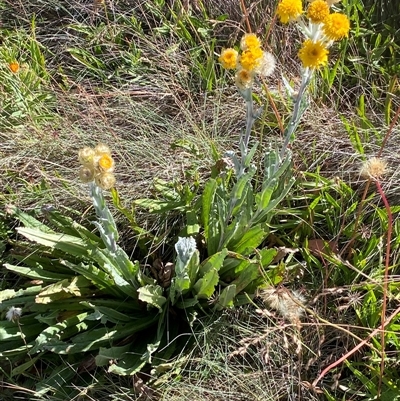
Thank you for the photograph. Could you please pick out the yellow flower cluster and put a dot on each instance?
(318, 11)
(289, 10)
(98, 165)
(323, 28)
(313, 54)
(252, 60)
(336, 26)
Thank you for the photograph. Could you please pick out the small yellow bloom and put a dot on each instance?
(313, 55)
(101, 148)
(105, 180)
(229, 58)
(336, 26)
(14, 66)
(106, 163)
(86, 156)
(249, 41)
(289, 10)
(244, 79)
(86, 174)
(251, 58)
(317, 11)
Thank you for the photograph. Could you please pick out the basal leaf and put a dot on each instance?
(246, 277)
(67, 243)
(76, 287)
(225, 299)
(98, 277)
(250, 240)
(106, 355)
(213, 262)
(152, 295)
(205, 286)
(36, 273)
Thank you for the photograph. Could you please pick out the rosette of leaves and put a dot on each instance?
(83, 295)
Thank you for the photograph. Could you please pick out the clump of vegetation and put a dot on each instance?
(232, 265)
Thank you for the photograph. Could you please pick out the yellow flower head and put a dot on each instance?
(105, 180)
(14, 66)
(251, 58)
(86, 174)
(289, 10)
(105, 163)
(317, 11)
(229, 58)
(244, 79)
(336, 26)
(313, 55)
(101, 148)
(86, 156)
(249, 41)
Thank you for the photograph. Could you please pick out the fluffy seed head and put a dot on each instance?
(13, 314)
(244, 79)
(101, 149)
(374, 168)
(86, 156)
(105, 180)
(86, 174)
(287, 303)
(267, 65)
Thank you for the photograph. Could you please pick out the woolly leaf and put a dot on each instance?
(152, 295)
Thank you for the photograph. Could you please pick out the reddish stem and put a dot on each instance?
(246, 16)
(385, 279)
(355, 349)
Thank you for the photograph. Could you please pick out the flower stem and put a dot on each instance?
(385, 279)
(297, 112)
(245, 139)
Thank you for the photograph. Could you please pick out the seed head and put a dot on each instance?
(267, 65)
(244, 79)
(374, 168)
(86, 156)
(13, 314)
(105, 180)
(86, 174)
(287, 303)
(101, 149)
